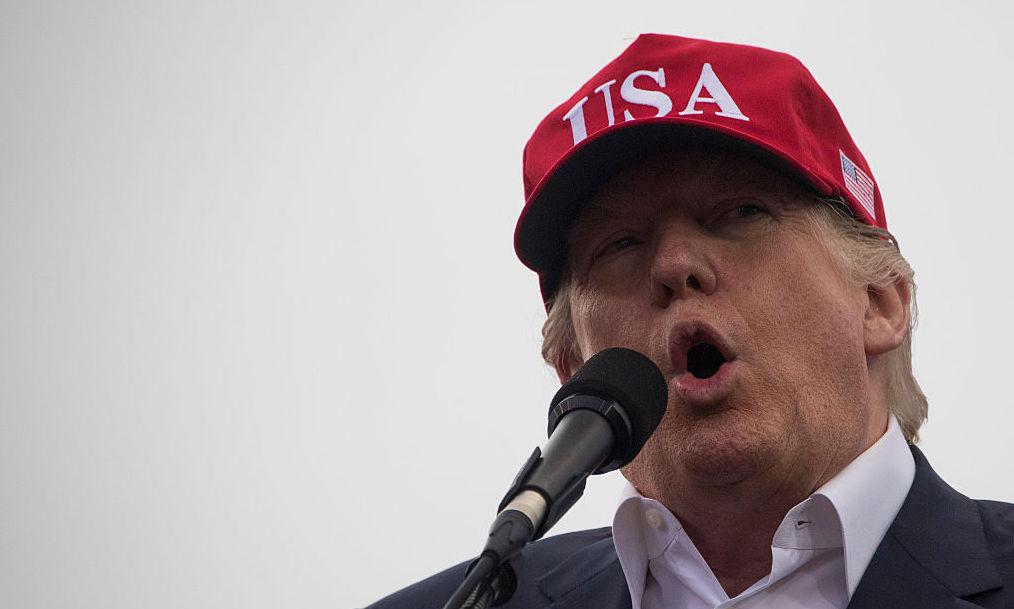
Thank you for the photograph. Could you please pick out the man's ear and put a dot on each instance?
(887, 318)
(566, 364)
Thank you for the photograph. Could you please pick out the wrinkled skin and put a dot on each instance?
(718, 237)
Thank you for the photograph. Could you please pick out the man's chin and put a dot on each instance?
(722, 467)
(725, 449)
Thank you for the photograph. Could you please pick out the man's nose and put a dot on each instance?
(679, 269)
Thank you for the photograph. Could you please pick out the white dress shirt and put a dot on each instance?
(818, 554)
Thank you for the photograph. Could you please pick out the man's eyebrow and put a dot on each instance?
(594, 214)
(591, 217)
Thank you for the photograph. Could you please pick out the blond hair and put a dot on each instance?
(869, 255)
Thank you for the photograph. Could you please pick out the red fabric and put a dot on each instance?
(789, 115)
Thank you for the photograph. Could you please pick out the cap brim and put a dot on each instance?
(541, 235)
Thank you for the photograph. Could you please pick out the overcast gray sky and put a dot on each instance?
(263, 338)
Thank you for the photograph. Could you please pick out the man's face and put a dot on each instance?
(705, 262)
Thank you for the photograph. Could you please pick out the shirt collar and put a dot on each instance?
(639, 538)
(865, 496)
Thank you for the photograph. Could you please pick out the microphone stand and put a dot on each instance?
(492, 578)
(525, 515)
(484, 587)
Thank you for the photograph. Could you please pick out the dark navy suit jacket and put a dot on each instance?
(942, 550)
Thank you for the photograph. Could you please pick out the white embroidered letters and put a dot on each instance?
(643, 97)
(576, 117)
(719, 95)
(707, 83)
(608, 99)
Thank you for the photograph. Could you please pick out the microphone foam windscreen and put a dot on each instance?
(630, 379)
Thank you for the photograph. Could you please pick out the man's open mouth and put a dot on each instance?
(704, 360)
(699, 349)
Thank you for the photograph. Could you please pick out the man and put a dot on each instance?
(704, 204)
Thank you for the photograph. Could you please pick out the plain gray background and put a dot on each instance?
(263, 338)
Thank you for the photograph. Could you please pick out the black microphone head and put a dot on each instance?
(633, 385)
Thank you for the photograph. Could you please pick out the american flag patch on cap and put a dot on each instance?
(858, 183)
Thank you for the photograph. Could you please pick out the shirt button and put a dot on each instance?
(654, 518)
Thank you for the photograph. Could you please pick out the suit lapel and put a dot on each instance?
(590, 579)
(895, 579)
(933, 554)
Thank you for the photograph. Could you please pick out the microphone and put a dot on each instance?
(598, 422)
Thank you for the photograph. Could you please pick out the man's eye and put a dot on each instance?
(743, 210)
(623, 243)
(747, 210)
(615, 245)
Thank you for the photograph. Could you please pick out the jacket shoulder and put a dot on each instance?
(998, 527)
(997, 512)
(539, 557)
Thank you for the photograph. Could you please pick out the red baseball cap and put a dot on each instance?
(663, 91)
